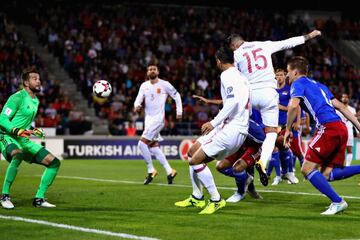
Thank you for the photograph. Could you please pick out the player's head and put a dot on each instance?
(224, 57)
(345, 98)
(31, 79)
(297, 67)
(234, 41)
(280, 75)
(152, 71)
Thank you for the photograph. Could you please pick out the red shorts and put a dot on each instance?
(296, 148)
(327, 147)
(249, 152)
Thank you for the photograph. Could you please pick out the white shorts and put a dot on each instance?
(266, 101)
(152, 130)
(222, 141)
(350, 141)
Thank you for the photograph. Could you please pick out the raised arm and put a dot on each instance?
(292, 42)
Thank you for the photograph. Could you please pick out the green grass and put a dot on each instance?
(149, 210)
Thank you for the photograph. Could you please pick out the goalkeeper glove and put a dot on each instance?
(21, 132)
(38, 132)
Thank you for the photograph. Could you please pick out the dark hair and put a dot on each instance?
(299, 63)
(152, 63)
(232, 38)
(225, 55)
(280, 70)
(26, 73)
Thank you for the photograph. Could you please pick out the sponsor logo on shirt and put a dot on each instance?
(8, 111)
(229, 90)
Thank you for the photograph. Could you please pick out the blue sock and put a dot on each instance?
(284, 162)
(294, 160)
(301, 160)
(342, 173)
(228, 172)
(321, 184)
(240, 178)
(289, 156)
(270, 167)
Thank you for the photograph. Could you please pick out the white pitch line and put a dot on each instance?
(81, 229)
(187, 186)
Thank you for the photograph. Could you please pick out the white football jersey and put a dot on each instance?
(235, 93)
(253, 59)
(348, 124)
(154, 96)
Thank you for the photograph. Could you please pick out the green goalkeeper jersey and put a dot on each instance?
(19, 111)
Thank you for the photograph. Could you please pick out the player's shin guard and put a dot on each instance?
(204, 174)
(342, 173)
(268, 147)
(321, 184)
(48, 178)
(145, 152)
(196, 184)
(160, 156)
(11, 172)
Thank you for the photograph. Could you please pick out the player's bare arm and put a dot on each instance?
(345, 111)
(292, 112)
(312, 34)
(208, 101)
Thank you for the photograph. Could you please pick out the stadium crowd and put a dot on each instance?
(117, 43)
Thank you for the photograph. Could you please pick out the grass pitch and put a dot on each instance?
(109, 196)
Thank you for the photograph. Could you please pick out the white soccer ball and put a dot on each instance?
(102, 88)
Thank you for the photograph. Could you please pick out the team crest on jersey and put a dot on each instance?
(158, 90)
(229, 90)
(8, 111)
(285, 93)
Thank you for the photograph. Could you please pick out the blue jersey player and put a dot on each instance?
(327, 148)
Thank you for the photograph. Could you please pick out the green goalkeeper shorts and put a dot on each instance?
(29, 148)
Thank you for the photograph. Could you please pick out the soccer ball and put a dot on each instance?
(102, 88)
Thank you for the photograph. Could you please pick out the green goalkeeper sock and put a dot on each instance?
(48, 178)
(11, 172)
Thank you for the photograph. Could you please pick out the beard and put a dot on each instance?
(153, 76)
(35, 90)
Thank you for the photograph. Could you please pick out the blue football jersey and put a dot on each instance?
(315, 98)
(256, 132)
(284, 98)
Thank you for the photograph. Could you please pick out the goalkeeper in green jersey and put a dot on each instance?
(15, 128)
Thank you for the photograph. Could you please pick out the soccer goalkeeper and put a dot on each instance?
(15, 128)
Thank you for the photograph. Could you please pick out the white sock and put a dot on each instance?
(349, 157)
(160, 156)
(267, 147)
(145, 152)
(196, 184)
(204, 175)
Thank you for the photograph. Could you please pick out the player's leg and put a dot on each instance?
(266, 101)
(349, 155)
(13, 153)
(287, 166)
(226, 167)
(143, 145)
(322, 149)
(275, 163)
(52, 164)
(160, 156)
(196, 199)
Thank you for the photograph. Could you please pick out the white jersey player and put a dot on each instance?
(153, 94)
(222, 136)
(253, 59)
(349, 126)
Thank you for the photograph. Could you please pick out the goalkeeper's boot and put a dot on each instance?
(191, 202)
(150, 177)
(5, 202)
(41, 202)
(213, 206)
(262, 173)
(171, 176)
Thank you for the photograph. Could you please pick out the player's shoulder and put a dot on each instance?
(18, 95)
(351, 109)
